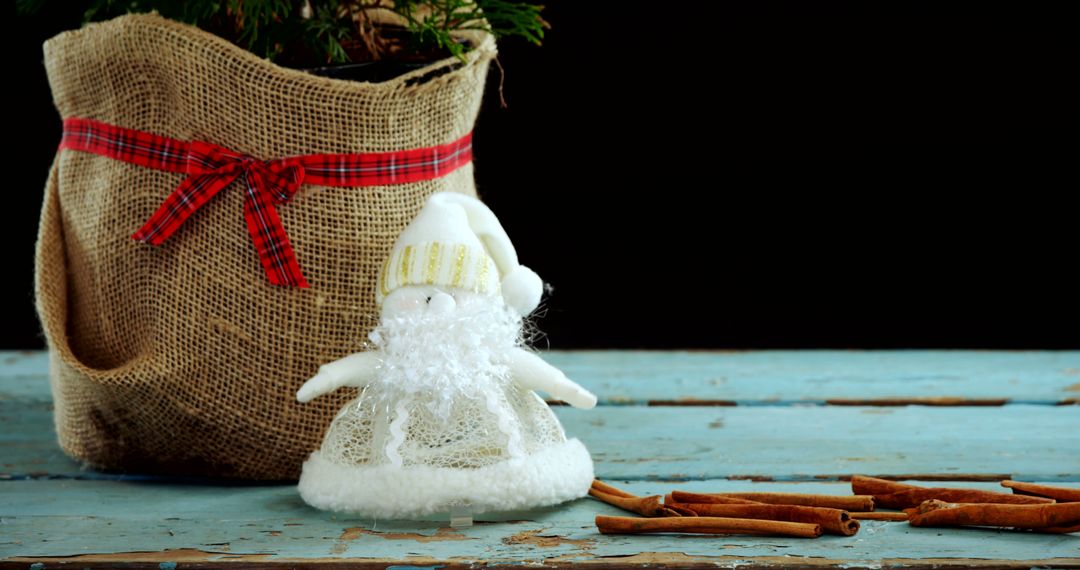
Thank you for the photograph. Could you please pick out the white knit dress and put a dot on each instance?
(391, 454)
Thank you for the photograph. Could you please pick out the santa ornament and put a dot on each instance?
(447, 418)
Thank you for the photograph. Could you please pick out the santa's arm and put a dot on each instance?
(532, 372)
(353, 370)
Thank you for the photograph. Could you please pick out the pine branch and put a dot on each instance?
(328, 31)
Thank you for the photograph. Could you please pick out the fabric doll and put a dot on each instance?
(447, 417)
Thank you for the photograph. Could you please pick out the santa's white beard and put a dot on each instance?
(459, 353)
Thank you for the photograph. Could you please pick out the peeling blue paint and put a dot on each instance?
(768, 377)
(800, 377)
(676, 443)
(101, 516)
(55, 508)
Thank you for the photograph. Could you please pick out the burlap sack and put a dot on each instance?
(183, 358)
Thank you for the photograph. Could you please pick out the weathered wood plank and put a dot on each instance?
(768, 439)
(1026, 442)
(194, 559)
(16, 363)
(817, 376)
(766, 377)
(24, 374)
(62, 518)
(807, 443)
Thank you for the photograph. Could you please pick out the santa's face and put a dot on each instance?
(436, 337)
(418, 299)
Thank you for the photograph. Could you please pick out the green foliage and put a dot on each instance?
(315, 32)
(432, 22)
(326, 30)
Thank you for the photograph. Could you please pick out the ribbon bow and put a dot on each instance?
(211, 168)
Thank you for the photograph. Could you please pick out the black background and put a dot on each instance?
(745, 174)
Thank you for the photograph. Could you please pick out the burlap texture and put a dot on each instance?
(183, 358)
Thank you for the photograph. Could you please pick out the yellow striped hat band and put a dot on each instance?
(450, 265)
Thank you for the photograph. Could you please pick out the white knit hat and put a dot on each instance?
(457, 242)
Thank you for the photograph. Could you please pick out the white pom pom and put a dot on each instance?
(521, 289)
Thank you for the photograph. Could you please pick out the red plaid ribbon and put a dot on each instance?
(210, 168)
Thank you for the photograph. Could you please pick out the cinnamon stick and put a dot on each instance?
(863, 485)
(1060, 494)
(681, 509)
(941, 513)
(914, 497)
(610, 489)
(685, 497)
(893, 495)
(880, 516)
(645, 506)
(672, 504)
(1060, 529)
(705, 525)
(832, 521)
(843, 502)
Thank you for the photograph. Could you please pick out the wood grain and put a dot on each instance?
(61, 517)
(781, 435)
(780, 377)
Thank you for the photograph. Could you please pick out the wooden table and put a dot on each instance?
(702, 421)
